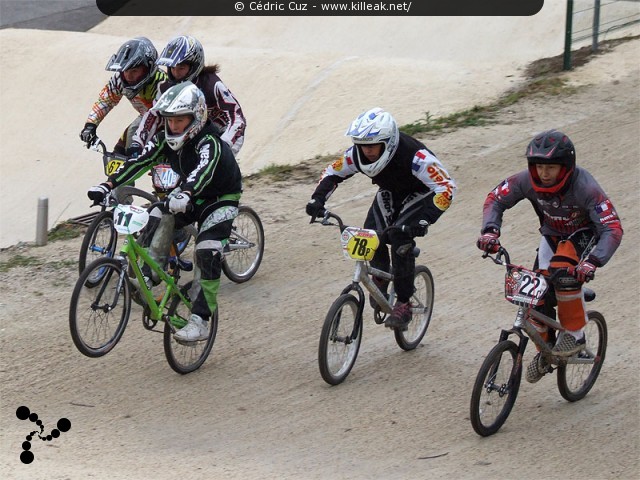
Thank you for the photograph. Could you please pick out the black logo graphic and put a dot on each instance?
(23, 413)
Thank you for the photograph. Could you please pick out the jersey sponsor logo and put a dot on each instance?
(204, 154)
(338, 164)
(439, 176)
(442, 201)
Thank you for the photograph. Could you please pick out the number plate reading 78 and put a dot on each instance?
(359, 243)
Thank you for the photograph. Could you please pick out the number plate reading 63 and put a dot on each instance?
(359, 243)
(524, 287)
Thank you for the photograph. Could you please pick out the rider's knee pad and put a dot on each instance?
(209, 260)
(405, 250)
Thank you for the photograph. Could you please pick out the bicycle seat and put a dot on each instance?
(589, 294)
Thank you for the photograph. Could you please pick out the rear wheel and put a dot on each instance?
(100, 240)
(495, 388)
(185, 357)
(422, 307)
(99, 315)
(579, 374)
(243, 254)
(340, 339)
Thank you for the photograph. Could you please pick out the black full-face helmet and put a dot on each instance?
(133, 53)
(551, 147)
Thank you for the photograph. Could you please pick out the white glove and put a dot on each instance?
(179, 203)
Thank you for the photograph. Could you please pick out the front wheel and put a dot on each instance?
(243, 254)
(579, 374)
(496, 388)
(185, 357)
(340, 339)
(421, 307)
(99, 315)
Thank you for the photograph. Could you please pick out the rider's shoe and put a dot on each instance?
(400, 317)
(382, 285)
(537, 369)
(568, 345)
(196, 329)
(147, 281)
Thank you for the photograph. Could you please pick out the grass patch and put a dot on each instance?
(65, 231)
(19, 261)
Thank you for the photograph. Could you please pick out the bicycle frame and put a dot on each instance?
(364, 271)
(523, 323)
(362, 274)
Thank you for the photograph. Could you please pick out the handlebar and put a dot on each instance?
(502, 253)
(327, 215)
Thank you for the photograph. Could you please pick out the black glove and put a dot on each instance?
(134, 150)
(88, 133)
(99, 192)
(315, 208)
(420, 230)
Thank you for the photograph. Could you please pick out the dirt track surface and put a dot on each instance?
(258, 408)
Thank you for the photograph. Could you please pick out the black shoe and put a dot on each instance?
(400, 317)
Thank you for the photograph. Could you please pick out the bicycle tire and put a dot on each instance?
(186, 357)
(338, 349)
(575, 380)
(103, 328)
(422, 306)
(245, 250)
(491, 403)
(100, 240)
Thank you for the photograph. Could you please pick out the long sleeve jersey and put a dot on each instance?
(583, 204)
(413, 168)
(206, 165)
(222, 108)
(113, 92)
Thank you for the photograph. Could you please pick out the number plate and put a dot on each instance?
(129, 218)
(525, 287)
(112, 165)
(165, 178)
(359, 243)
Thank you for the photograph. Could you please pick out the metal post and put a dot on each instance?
(42, 221)
(566, 65)
(596, 26)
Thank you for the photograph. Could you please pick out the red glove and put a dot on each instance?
(584, 272)
(488, 241)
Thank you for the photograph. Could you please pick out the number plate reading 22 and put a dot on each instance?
(359, 243)
(524, 287)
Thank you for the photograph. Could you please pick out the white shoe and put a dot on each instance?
(196, 329)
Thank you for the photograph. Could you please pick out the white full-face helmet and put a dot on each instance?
(371, 127)
(182, 99)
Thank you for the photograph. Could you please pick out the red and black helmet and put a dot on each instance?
(551, 147)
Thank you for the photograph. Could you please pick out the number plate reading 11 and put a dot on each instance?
(129, 219)
(524, 287)
(359, 243)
